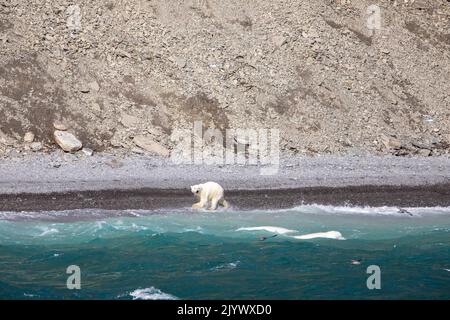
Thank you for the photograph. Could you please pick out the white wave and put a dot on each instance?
(120, 226)
(328, 235)
(138, 227)
(448, 270)
(133, 213)
(226, 266)
(197, 229)
(382, 211)
(47, 231)
(278, 230)
(82, 214)
(151, 293)
(99, 225)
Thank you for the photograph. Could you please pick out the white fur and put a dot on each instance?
(209, 193)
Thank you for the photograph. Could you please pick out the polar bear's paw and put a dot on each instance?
(197, 205)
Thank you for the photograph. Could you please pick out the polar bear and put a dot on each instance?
(209, 192)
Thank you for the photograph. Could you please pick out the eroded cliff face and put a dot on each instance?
(115, 70)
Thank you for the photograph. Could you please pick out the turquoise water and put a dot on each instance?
(182, 254)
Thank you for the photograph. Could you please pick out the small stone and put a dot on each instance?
(116, 140)
(422, 145)
(14, 153)
(55, 164)
(36, 146)
(278, 40)
(5, 139)
(87, 152)
(129, 120)
(67, 141)
(94, 86)
(114, 163)
(58, 125)
(28, 137)
(148, 144)
(122, 53)
(391, 142)
(180, 62)
(96, 107)
(137, 150)
(69, 157)
(424, 152)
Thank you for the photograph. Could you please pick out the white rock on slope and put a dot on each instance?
(28, 137)
(67, 141)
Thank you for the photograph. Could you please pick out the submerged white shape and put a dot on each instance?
(278, 230)
(151, 293)
(328, 235)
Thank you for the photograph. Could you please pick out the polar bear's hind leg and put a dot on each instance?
(224, 203)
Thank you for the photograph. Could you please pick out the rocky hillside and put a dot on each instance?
(122, 75)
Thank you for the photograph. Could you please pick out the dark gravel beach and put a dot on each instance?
(153, 199)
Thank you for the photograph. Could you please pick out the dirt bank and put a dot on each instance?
(125, 74)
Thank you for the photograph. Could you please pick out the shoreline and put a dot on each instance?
(61, 181)
(265, 199)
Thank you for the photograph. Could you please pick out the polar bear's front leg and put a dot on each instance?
(198, 205)
(214, 203)
(201, 203)
(224, 203)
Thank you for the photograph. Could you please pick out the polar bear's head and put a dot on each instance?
(196, 189)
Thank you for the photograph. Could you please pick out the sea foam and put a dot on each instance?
(151, 293)
(371, 211)
(46, 231)
(226, 266)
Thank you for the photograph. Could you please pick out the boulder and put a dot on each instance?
(67, 141)
(148, 144)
